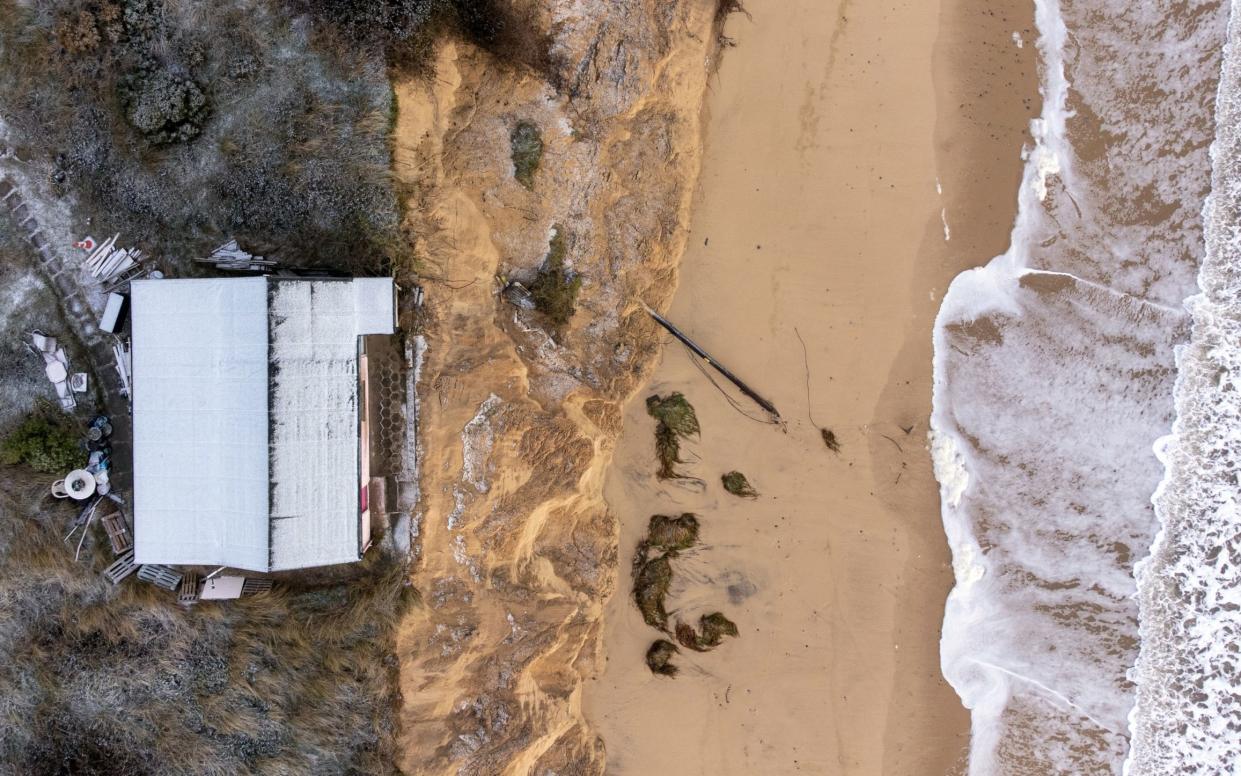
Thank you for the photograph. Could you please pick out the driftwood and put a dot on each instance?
(732, 378)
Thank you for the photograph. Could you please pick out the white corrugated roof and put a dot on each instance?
(200, 421)
(314, 424)
(224, 367)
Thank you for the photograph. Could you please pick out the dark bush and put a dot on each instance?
(47, 440)
(163, 106)
(555, 288)
(527, 150)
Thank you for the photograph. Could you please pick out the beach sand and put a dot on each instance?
(846, 143)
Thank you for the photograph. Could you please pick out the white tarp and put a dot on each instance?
(208, 356)
(199, 355)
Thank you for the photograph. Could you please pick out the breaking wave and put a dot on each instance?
(1054, 374)
(1187, 718)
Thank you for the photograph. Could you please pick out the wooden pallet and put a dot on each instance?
(118, 532)
(255, 586)
(189, 592)
(121, 568)
(160, 576)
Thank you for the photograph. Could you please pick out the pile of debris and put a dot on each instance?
(56, 365)
(230, 256)
(107, 262)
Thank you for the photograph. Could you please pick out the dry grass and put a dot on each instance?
(96, 679)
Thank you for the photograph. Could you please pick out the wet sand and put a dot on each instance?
(832, 130)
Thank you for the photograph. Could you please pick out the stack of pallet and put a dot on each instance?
(107, 261)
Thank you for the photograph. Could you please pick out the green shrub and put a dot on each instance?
(527, 149)
(47, 440)
(555, 288)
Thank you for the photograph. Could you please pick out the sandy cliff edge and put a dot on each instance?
(515, 548)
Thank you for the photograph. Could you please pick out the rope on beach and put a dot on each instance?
(805, 359)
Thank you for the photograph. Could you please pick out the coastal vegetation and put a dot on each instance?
(47, 441)
(555, 287)
(181, 125)
(527, 152)
(103, 679)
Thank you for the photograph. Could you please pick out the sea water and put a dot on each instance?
(1055, 371)
(1187, 718)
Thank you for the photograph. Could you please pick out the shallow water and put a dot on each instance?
(1054, 375)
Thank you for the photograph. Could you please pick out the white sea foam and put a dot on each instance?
(1054, 371)
(1188, 713)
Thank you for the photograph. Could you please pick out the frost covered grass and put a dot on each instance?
(180, 124)
(26, 303)
(96, 679)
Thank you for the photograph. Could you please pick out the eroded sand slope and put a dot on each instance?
(516, 548)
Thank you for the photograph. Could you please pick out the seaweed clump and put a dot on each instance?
(829, 439)
(527, 148)
(659, 658)
(672, 534)
(675, 420)
(555, 289)
(652, 578)
(736, 484)
(712, 628)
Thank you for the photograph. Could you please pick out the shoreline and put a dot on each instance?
(787, 235)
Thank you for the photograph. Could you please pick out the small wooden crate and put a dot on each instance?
(254, 586)
(121, 568)
(118, 532)
(160, 576)
(189, 592)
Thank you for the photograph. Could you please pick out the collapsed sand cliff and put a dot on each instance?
(515, 548)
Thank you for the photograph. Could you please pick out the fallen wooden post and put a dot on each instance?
(732, 378)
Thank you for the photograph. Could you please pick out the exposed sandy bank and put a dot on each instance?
(833, 129)
(516, 549)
